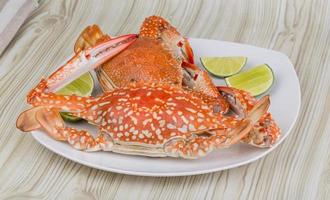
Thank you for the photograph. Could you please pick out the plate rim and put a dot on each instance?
(193, 172)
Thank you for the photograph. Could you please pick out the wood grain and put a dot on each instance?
(298, 169)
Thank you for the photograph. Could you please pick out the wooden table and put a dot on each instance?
(299, 168)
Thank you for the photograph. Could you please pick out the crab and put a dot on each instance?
(160, 55)
(265, 131)
(142, 118)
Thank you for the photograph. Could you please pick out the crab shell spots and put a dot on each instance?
(153, 26)
(150, 123)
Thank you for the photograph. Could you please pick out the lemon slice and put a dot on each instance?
(256, 80)
(223, 66)
(82, 86)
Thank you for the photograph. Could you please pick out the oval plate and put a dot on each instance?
(285, 104)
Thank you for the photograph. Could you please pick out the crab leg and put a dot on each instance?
(53, 124)
(44, 100)
(50, 121)
(201, 146)
(88, 60)
(81, 63)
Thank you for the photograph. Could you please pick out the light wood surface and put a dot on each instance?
(298, 169)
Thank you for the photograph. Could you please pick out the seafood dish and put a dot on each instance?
(156, 101)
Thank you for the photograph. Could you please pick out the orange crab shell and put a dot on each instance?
(166, 112)
(153, 26)
(145, 60)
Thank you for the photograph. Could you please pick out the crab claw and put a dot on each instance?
(200, 81)
(89, 37)
(87, 60)
(241, 102)
(265, 131)
(102, 52)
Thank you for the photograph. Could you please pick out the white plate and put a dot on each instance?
(285, 104)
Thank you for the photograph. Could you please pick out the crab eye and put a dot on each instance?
(180, 44)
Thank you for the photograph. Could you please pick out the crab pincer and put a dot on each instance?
(265, 131)
(81, 62)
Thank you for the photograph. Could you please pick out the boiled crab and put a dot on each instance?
(148, 119)
(162, 55)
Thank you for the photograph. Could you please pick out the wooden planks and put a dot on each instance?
(298, 169)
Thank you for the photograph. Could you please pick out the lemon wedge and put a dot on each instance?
(223, 66)
(82, 86)
(256, 80)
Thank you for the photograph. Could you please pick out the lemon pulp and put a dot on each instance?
(82, 86)
(223, 66)
(256, 80)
